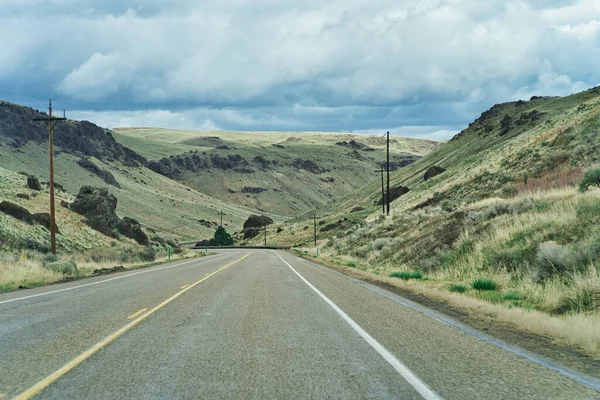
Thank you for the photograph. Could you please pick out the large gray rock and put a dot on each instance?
(433, 171)
(132, 229)
(16, 211)
(257, 221)
(33, 183)
(99, 207)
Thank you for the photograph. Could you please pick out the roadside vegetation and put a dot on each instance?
(25, 258)
(503, 220)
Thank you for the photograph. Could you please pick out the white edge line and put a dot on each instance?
(402, 369)
(105, 280)
(579, 377)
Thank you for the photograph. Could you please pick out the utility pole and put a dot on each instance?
(388, 172)
(50, 120)
(382, 190)
(221, 218)
(265, 235)
(315, 224)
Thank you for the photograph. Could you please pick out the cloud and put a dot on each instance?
(336, 65)
(98, 77)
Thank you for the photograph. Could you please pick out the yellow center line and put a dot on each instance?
(186, 285)
(135, 314)
(50, 379)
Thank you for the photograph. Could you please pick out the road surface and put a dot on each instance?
(251, 324)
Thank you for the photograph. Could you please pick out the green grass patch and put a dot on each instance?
(457, 288)
(406, 275)
(401, 274)
(491, 296)
(416, 275)
(511, 296)
(484, 285)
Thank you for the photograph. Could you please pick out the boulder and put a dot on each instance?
(98, 207)
(249, 233)
(42, 219)
(395, 193)
(102, 174)
(23, 196)
(132, 229)
(16, 211)
(257, 221)
(22, 214)
(307, 165)
(255, 190)
(433, 171)
(33, 183)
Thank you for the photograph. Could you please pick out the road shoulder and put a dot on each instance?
(478, 319)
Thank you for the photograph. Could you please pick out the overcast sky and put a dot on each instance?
(416, 67)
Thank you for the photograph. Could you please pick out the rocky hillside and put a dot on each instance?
(86, 154)
(496, 213)
(284, 173)
(82, 139)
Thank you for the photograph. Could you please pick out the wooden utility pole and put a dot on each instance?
(382, 190)
(221, 218)
(315, 225)
(50, 120)
(265, 235)
(388, 173)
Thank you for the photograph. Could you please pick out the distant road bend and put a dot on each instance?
(258, 324)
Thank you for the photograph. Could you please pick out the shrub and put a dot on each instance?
(588, 210)
(581, 299)
(511, 260)
(509, 190)
(380, 243)
(104, 254)
(8, 258)
(351, 265)
(447, 206)
(552, 259)
(457, 288)
(146, 254)
(484, 285)
(555, 159)
(586, 252)
(63, 267)
(580, 150)
(361, 252)
(221, 238)
(49, 258)
(590, 178)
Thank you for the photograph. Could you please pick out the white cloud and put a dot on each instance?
(101, 75)
(291, 65)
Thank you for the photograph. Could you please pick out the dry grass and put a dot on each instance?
(580, 331)
(27, 270)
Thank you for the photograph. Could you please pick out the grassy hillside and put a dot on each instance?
(156, 201)
(504, 224)
(285, 173)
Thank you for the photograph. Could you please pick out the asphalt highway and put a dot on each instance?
(251, 324)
